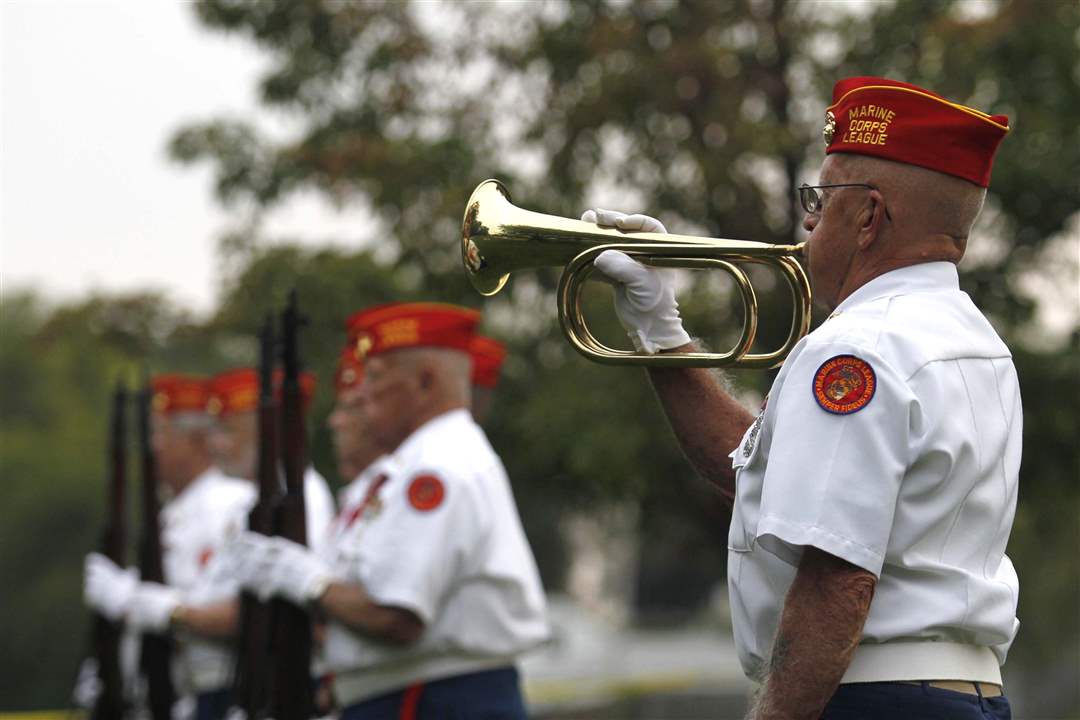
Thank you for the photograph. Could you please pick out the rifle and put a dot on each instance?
(291, 697)
(110, 703)
(253, 642)
(155, 653)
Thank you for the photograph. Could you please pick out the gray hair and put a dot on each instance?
(939, 204)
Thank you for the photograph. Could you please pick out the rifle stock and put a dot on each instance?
(251, 679)
(292, 632)
(155, 656)
(111, 703)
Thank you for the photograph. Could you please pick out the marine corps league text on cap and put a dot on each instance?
(897, 121)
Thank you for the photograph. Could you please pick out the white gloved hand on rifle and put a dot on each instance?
(274, 566)
(644, 296)
(152, 607)
(107, 587)
(116, 593)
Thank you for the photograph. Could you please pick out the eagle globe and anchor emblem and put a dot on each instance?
(829, 130)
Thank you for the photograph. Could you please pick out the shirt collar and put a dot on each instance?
(192, 489)
(922, 277)
(433, 426)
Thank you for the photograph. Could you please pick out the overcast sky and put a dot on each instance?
(91, 92)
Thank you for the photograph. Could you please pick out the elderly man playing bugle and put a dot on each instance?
(875, 490)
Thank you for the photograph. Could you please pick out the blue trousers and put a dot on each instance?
(487, 695)
(213, 705)
(902, 701)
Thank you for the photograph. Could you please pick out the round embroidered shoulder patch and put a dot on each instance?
(426, 492)
(844, 384)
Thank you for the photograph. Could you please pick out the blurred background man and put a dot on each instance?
(488, 355)
(431, 588)
(233, 403)
(204, 507)
(355, 448)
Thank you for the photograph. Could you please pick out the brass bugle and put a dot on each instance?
(498, 238)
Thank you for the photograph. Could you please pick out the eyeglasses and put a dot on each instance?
(812, 201)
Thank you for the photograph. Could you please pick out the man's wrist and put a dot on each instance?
(178, 618)
(318, 588)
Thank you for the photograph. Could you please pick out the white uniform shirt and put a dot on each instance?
(440, 536)
(318, 508)
(918, 486)
(194, 527)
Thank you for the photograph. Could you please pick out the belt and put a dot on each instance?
(987, 690)
(927, 660)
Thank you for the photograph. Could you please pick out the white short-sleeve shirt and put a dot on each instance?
(318, 508)
(891, 439)
(194, 527)
(434, 529)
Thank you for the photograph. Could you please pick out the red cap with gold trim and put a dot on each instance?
(397, 326)
(175, 393)
(235, 391)
(897, 121)
(487, 357)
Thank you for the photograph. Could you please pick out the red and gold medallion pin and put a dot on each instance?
(844, 384)
(426, 492)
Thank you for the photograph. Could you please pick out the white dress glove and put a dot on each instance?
(644, 296)
(87, 684)
(269, 566)
(152, 607)
(107, 587)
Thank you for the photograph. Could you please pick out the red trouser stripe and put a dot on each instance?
(410, 702)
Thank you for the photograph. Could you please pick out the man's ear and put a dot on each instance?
(426, 378)
(872, 219)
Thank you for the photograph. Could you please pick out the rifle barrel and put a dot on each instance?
(110, 703)
(155, 656)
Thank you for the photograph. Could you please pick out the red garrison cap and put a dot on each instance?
(174, 393)
(235, 391)
(487, 357)
(409, 325)
(897, 121)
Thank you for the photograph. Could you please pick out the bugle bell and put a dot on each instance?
(498, 238)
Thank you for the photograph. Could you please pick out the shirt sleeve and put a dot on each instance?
(837, 458)
(424, 545)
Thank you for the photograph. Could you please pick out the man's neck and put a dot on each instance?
(192, 476)
(934, 249)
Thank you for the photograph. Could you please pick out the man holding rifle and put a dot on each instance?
(204, 508)
(429, 585)
(233, 403)
(875, 491)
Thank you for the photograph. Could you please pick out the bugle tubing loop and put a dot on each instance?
(499, 238)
